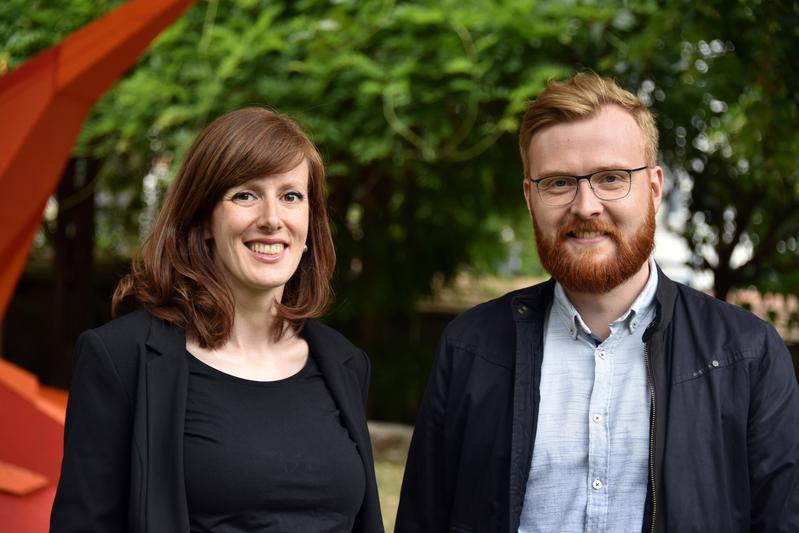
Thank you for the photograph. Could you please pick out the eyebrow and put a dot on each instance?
(596, 169)
(255, 183)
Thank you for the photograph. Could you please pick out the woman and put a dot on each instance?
(220, 405)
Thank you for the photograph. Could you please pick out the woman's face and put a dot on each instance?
(259, 230)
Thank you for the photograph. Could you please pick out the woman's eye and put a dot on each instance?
(293, 197)
(243, 197)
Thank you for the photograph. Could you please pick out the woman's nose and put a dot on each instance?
(269, 214)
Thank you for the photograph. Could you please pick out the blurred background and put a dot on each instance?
(415, 106)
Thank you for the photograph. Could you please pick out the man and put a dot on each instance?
(608, 398)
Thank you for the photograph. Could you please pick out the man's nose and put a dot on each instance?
(586, 204)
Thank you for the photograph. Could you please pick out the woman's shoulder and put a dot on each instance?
(122, 345)
(133, 326)
(126, 335)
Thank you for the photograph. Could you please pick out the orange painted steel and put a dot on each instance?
(43, 105)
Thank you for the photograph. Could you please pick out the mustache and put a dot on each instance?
(588, 226)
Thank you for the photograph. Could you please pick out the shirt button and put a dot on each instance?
(597, 418)
(597, 484)
(601, 354)
(522, 310)
(715, 363)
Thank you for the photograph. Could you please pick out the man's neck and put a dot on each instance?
(600, 310)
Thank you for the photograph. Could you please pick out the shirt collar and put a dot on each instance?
(643, 304)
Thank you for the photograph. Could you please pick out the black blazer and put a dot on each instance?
(122, 468)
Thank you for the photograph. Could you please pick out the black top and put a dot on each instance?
(268, 455)
(122, 467)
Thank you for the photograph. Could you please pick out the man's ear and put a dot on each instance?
(656, 184)
(528, 187)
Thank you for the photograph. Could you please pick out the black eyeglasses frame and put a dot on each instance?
(587, 177)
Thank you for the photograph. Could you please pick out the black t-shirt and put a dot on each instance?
(268, 456)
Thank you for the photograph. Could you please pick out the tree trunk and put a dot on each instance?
(73, 287)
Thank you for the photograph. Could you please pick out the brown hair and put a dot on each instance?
(174, 277)
(580, 97)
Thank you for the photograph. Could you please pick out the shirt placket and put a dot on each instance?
(599, 438)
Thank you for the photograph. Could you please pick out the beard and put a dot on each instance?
(583, 271)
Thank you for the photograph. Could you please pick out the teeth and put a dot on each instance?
(270, 249)
(586, 234)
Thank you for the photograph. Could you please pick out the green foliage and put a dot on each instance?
(724, 79)
(415, 106)
(28, 27)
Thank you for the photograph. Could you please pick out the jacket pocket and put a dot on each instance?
(713, 364)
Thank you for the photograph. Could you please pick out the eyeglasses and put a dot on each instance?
(611, 184)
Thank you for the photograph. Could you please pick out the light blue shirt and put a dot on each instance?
(590, 461)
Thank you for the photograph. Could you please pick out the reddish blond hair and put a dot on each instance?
(580, 97)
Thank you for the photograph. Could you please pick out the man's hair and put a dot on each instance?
(174, 277)
(580, 97)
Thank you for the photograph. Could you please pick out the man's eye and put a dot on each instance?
(555, 184)
(612, 179)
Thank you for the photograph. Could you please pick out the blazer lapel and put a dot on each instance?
(331, 355)
(167, 383)
(334, 356)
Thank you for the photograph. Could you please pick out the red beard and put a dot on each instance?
(581, 271)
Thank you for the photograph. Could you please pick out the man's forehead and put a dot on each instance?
(609, 138)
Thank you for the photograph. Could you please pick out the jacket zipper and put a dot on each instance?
(651, 434)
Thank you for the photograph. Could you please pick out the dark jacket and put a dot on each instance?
(724, 438)
(123, 444)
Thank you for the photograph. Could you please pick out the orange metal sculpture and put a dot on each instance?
(43, 105)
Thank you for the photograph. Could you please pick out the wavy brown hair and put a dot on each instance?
(580, 97)
(173, 276)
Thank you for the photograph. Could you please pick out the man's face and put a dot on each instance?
(593, 245)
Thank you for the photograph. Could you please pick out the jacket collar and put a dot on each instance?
(166, 338)
(538, 297)
(532, 303)
(325, 343)
(169, 339)
(665, 297)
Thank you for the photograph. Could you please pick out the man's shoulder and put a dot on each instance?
(720, 321)
(492, 324)
(714, 310)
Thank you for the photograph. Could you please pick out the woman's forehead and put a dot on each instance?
(299, 175)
